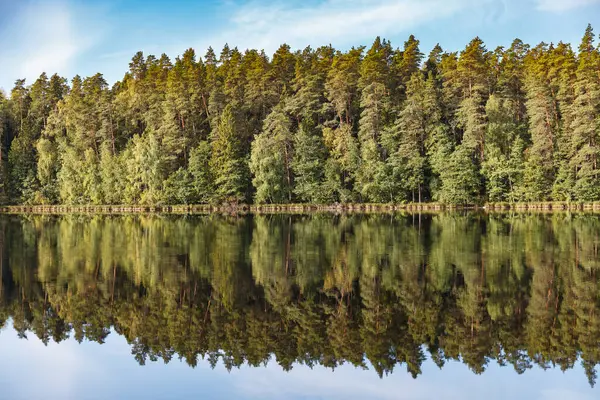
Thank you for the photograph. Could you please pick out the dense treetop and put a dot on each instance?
(376, 124)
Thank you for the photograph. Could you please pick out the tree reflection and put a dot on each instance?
(379, 290)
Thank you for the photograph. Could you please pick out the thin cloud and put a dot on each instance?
(563, 5)
(267, 25)
(44, 37)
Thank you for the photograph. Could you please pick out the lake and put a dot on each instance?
(402, 306)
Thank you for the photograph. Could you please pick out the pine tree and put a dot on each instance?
(145, 169)
(561, 65)
(4, 183)
(473, 75)
(260, 93)
(460, 178)
(49, 159)
(503, 163)
(466, 87)
(539, 172)
(228, 165)
(282, 70)
(271, 158)
(21, 158)
(406, 143)
(438, 138)
(511, 78)
(199, 169)
(111, 176)
(342, 164)
(585, 126)
(308, 165)
(375, 106)
(406, 63)
(315, 125)
(342, 85)
(70, 176)
(307, 101)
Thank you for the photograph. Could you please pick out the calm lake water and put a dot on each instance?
(457, 306)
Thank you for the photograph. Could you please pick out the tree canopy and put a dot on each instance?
(370, 124)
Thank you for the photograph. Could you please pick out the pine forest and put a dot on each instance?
(373, 124)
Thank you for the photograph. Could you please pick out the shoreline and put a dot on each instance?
(297, 208)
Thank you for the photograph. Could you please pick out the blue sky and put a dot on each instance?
(88, 36)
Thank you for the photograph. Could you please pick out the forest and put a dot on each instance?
(382, 292)
(374, 124)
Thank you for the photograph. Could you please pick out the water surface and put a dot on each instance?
(281, 306)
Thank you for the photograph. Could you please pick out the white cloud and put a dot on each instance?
(57, 367)
(260, 25)
(563, 5)
(44, 36)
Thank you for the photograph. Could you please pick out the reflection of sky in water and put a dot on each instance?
(29, 370)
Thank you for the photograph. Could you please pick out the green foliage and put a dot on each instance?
(503, 164)
(406, 143)
(314, 125)
(21, 164)
(179, 188)
(271, 158)
(70, 177)
(111, 176)
(4, 177)
(460, 178)
(227, 164)
(379, 292)
(584, 128)
(308, 166)
(146, 170)
(48, 162)
(199, 168)
(342, 165)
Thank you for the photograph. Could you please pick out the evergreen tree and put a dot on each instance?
(406, 141)
(4, 178)
(584, 128)
(49, 159)
(199, 169)
(503, 163)
(406, 63)
(342, 164)
(111, 176)
(539, 172)
(145, 169)
(271, 159)
(375, 105)
(460, 178)
(473, 78)
(438, 138)
(309, 85)
(21, 158)
(308, 165)
(561, 63)
(315, 125)
(342, 85)
(228, 165)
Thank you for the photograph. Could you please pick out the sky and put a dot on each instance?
(88, 36)
(70, 370)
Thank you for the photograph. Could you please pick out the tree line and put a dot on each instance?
(378, 124)
(381, 292)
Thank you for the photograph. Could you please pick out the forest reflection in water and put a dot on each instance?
(377, 291)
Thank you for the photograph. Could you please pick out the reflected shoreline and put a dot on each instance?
(388, 291)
